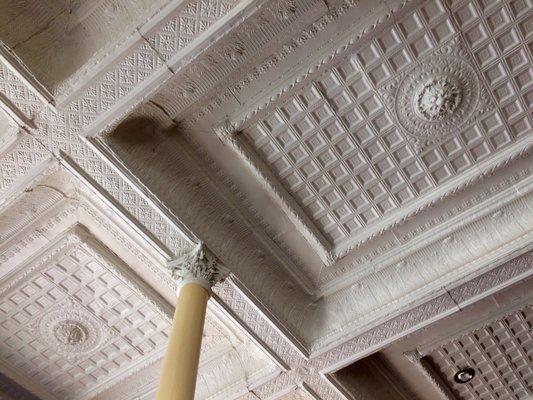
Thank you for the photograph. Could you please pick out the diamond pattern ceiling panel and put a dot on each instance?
(444, 88)
(502, 355)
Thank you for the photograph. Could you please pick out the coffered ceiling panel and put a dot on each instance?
(501, 353)
(362, 167)
(417, 107)
(72, 321)
(76, 322)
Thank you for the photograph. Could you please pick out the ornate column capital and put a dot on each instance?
(198, 266)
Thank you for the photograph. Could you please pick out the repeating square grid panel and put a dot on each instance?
(502, 355)
(480, 140)
(140, 329)
(499, 37)
(342, 155)
(338, 153)
(334, 145)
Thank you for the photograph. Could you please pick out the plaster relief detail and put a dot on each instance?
(335, 147)
(198, 265)
(437, 96)
(71, 330)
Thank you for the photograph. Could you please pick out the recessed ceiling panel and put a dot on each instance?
(413, 108)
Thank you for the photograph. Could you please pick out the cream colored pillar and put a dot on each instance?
(196, 272)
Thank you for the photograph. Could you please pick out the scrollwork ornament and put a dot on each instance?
(198, 265)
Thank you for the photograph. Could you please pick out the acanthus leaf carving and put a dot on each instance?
(199, 265)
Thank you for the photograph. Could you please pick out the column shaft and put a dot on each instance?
(180, 367)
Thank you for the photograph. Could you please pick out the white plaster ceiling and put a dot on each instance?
(326, 146)
(213, 121)
(77, 322)
(57, 38)
(491, 336)
(501, 352)
(352, 156)
(63, 43)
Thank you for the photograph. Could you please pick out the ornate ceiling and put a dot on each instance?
(363, 169)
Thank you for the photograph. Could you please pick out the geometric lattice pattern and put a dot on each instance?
(183, 27)
(179, 30)
(337, 147)
(502, 355)
(129, 326)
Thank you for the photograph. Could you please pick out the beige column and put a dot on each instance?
(196, 272)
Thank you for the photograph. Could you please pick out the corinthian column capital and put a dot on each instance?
(198, 266)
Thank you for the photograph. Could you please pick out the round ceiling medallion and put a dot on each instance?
(438, 98)
(70, 330)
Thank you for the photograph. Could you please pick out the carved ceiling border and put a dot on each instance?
(289, 206)
(253, 220)
(248, 43)
(197, 70)
(315, 371)
(289, 47)
(466, 209)
(55, 133)
(147, 33)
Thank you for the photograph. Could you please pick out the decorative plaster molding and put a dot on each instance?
(175, 55)
(438, 95)
(283, 199)
(317, 367)
(288, 48)
(480, 96)
(168, 248)
(71, 330)
(242, 207)
(438, 98)
(430, 375)
(198, 266)
(308, 33)
(492, 196)
(82, 155)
